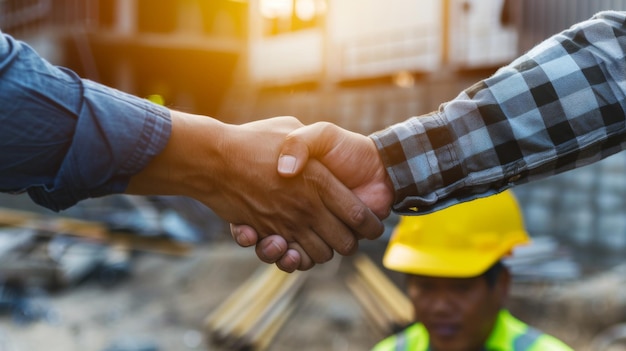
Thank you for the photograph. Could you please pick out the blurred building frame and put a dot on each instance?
(363, 64)
(170, 48)
(373, 60)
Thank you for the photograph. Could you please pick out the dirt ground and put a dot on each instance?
(163, 305)
(165, 301)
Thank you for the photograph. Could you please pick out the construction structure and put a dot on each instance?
(363, 64)
(184, 52)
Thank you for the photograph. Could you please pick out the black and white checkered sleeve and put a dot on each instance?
(558, 107)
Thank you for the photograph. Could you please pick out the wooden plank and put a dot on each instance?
(157, 244)
(374, 311)
(264, 341)
(52, 224)
(282, 290)
(236, 325)
(388, 293)
(251, 317)
(235, 304)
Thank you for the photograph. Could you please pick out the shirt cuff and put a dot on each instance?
(117, 134)
(422, 162)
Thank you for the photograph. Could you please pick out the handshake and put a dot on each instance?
(298, 193)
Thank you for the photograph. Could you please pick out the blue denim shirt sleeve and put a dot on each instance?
(64, 139)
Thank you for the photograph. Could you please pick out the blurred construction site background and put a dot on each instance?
(126, 273)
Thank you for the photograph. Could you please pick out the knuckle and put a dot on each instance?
(284, 268)
(323, 125)
(326, 256)
(365, 223)
(306, 266)
(349, 246)
(293, 121)
(262, 256)
(358, 215)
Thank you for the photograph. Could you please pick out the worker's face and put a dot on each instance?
(459, 313)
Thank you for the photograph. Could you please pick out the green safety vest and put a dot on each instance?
(509, 334)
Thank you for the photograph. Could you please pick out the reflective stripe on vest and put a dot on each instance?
(401, 342)
(521, 343)
(509, 334)
(525, 341)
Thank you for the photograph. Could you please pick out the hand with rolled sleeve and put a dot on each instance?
(353, 158)
(217, 164)
(558, 107)
(65, 139)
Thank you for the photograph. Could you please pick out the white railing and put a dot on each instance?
(416, 49)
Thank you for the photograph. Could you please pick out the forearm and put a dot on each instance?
(209, 160)
(558, 107)
(64, 139)
(190, 162)
(232, 170)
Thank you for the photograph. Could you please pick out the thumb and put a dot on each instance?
(301, 144)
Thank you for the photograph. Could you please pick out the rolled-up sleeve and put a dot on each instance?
(64, 139)
(560, 106)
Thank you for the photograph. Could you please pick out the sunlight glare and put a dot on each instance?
(276, 8)
(305, 9)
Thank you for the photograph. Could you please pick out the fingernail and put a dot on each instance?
(271, 250)
(286, 164)
(288, 263)
(243, 240)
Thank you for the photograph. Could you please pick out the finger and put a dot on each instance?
(347, 214)
(270, 249)
(314, 140)
(312, 246)
(355, 214)
(303, 263)
(290, 261)
(244, 235)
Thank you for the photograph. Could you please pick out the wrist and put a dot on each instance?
(192, 151)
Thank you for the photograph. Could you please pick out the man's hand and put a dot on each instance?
(351, 157)
(232, 170)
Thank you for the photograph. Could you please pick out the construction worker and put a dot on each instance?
(457, 281)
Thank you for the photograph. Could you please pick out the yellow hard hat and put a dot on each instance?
(463, 240)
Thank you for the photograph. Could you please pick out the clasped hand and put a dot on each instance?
(329, 189)
(352, 168)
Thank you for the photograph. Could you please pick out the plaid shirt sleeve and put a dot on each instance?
(558, 107)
